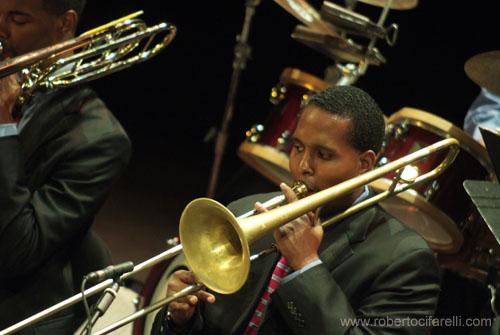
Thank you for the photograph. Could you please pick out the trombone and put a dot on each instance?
(299, 189)
(112, 47)
(216, 243)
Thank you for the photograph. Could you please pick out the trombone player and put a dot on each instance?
(59, 157)
(366, 274)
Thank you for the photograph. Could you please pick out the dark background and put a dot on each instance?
(168, 104)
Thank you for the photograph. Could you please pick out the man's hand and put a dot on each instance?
(299, 240)
(9, 91)
(182, 309)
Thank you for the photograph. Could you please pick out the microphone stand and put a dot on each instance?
(102, 305)
(242, 52)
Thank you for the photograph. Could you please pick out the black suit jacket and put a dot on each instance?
(374, 269)
(54, 177)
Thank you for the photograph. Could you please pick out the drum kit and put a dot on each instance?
(440, 210)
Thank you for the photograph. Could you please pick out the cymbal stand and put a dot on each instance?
(390, 39)
(345, 74)
(242, 52)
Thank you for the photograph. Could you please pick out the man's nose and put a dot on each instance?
(306, 163)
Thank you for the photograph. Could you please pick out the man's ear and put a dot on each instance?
(367, 160)
(66, 24)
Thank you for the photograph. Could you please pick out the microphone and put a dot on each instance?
(111, 271)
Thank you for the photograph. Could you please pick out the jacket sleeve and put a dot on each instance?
(400, 301)
(33, 225)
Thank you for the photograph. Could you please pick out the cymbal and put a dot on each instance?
(395, 4)
(336, 48)
(308, 15)
(484, 70)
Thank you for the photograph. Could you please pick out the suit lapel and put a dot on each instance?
(339, 239)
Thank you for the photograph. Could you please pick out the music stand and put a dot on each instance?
(486, 194)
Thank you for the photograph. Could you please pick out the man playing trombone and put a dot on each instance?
(365, 274)
(60, 153)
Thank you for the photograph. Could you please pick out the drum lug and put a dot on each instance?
(382, 161)
(138, 302)
(400, 130)
(305, 98)
(396, 131)
(431, 190)
(253, 134)
(283, 140)
(277, 94)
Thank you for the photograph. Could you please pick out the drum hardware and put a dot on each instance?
(483, 70)
(266, 146)
(399, 130)
(429, 192)
(393, 4)
(242, 52)
(308, 15)
(392, 131)
(344, 74)
(357, 24)
(439, 210)
(337, 48)
(382, 161)
(284, 140)
(253, 134)
(94, 54)
(277, 94)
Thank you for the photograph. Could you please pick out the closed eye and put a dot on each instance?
(19, 18)
(326, 154)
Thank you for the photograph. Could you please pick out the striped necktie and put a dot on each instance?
(280, 271)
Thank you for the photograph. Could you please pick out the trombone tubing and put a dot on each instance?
(172, 252)
(146, 310)
(319, 199)
(286, 213)
(16, 64)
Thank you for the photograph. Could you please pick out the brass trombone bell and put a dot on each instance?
(216, 243)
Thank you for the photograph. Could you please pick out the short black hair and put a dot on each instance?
(59, 7)
(349, 102)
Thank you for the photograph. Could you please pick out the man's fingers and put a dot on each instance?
(187, 277)
(288, 192)
(180, 306)
(259, 208)
(312, 218)
(205, 296)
